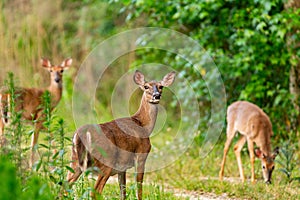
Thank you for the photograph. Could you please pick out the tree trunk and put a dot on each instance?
(295, 69)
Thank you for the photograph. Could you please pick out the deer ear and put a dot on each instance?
(45, 63)
(168, 79)
(139, 78)
(259, 153)
(275, 152)
(66, 63)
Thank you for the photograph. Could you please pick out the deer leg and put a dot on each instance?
(34, 140)
(140, 176)
(2, 138)
(252, 159)
(72, 177)
(237, 150)
(122, 184)
(2, 118)
(230, 135)
(101, 181)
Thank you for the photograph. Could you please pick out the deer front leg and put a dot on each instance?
(122, 184)
(230, 135)
(252, 159)
(237, 150)
(140, 176)
(34, 139)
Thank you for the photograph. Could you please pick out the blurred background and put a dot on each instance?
(254, 44)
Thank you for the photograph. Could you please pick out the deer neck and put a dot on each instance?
(55, 90)
(265, 147)
(146, 115)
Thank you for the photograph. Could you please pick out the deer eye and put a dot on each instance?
(61, 71)
(264, 167)
(161, 87)
(273, 168)
(146, 87)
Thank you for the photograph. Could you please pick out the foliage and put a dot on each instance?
(251, 42)
(200, 175)
(12, 188)
(288, 161)
(246, 39)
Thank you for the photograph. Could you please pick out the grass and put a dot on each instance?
(25, 38)
(187, 173)
(194, 174)
(47, 178)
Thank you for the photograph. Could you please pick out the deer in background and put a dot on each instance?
(255, 127)
(29, 101)
(115, 146)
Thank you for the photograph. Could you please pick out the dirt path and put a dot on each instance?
(192, 195)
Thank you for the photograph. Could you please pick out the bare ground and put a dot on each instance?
(192, 195)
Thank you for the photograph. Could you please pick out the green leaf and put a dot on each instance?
(70, 169)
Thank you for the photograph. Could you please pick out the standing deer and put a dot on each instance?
(29, 101)
(115, 146)
(255, 127)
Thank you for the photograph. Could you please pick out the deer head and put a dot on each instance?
(56, 71)
(153, 89)
(267, 163)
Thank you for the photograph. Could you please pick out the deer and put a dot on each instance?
(29, 101)
(255, 127)
(115, 146)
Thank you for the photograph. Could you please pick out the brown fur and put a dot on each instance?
(116, 146)
(29, 100)
(255, 127)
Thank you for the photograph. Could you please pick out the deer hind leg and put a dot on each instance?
(237, 150)
(122, 184)
(34, 141)
(2, 138)
(2, 121)
(102, 179)
(230, 134)
(252, 159)
(72, 177)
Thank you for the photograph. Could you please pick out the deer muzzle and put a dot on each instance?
(156, 94)
(57, 78)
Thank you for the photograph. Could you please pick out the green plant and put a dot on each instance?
(288, 161)
(9, 184)
(14, 132)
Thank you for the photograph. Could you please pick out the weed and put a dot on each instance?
(287, 161)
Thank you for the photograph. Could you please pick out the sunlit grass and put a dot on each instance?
(194, 174)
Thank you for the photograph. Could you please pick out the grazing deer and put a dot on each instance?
(115, 146)
(29, 101)
(255, 127)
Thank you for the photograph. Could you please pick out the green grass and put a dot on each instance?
(187, 173)
(194, 174)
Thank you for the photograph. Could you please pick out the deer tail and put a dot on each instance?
(82, 151)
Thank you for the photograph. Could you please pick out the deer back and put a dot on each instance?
(249, 120)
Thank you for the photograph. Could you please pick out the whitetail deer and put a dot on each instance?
(29, 101)
(255, 127)
(115, 146)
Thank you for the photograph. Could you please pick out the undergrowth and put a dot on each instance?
(47, 178)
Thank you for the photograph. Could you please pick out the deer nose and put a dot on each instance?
(156, 95)
(56, 78)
